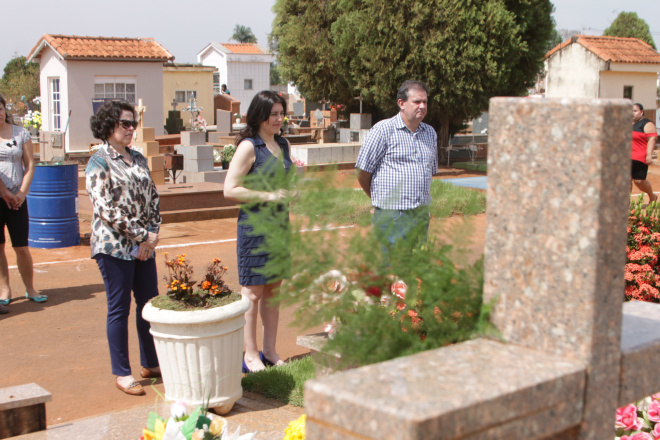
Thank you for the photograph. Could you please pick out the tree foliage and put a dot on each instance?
(20, 84)
(275, 77)
(243, 34)
(465, 50)
(628, 24)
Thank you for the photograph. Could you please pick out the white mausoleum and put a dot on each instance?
(74, 71)
(244, 67)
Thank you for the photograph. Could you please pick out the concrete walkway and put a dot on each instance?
(253, 413)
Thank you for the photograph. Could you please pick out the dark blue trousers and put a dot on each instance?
(120, 277)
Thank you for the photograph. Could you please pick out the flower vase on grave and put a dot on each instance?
(225, 165)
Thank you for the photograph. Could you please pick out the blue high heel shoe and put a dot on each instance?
(264, 360)
(37, 299)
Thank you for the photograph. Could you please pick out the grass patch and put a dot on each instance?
(448, 200)
(166, 303)
(352, 206)
(283, 383)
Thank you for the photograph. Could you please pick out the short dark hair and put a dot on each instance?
(641, 107)
(258, 112)
(409, 85)
(224, 85)
(106, 119)
(4, 104)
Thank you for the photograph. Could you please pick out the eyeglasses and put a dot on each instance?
(128, 124)
(13, 142)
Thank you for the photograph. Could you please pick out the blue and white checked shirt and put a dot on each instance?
(401, 163)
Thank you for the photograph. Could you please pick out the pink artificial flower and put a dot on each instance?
(640, 436)
(654, 411)
(656, 431)
(399, 288)
(626, 418)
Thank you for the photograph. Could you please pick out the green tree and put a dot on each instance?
(275, 77)
(20, 84)
(465, 50)
(243, 34)
(628, 24)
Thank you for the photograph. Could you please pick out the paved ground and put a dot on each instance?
(61, 344)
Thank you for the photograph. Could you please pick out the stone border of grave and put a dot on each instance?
(559, 175)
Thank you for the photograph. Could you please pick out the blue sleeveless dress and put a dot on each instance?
(247, 242)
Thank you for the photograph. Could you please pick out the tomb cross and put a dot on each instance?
(140, 110)
(360, 98)
(174, 104)
(194, 111)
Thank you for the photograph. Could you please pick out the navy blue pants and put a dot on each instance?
(120, 277)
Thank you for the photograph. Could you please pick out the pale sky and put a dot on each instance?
(185, 28)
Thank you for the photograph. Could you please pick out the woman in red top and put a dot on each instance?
(644, 136)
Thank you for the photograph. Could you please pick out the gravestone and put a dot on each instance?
(144, 140)
(223, 121)
(558, 197)
(174, 123)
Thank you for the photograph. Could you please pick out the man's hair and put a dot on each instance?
(409, 85)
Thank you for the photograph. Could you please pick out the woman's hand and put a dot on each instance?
(278, 195)
(20, 199)
(144, 252)
(10, 199)
(151, 241)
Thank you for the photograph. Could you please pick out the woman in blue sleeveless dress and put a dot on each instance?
(260, 148)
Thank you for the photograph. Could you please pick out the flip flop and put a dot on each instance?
(5, 302)
(38, 298)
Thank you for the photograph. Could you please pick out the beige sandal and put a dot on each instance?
(134, 388)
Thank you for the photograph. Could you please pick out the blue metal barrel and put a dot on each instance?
(53, 206)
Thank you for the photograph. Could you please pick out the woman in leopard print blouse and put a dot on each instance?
(125, 227)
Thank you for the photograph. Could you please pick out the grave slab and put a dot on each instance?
(145, 134)
(640, 348)
(196, 152)
(559, 175)
(455, 392)
(359, 121)
(563, 166)
(193, 138)
(23, 409)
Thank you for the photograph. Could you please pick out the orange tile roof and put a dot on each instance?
(243, 48)
(103, 48)
(613, 49)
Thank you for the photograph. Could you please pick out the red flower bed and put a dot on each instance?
(642, 268)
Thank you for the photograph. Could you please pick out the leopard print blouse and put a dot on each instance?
(124, 201)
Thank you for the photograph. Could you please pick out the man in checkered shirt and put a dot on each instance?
(395, 166)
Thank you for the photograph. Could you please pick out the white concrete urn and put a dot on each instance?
(200, 353)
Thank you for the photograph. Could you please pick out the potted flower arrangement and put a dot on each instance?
(199, 425)
(227, 155)
(198, 333)
(237, 116)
